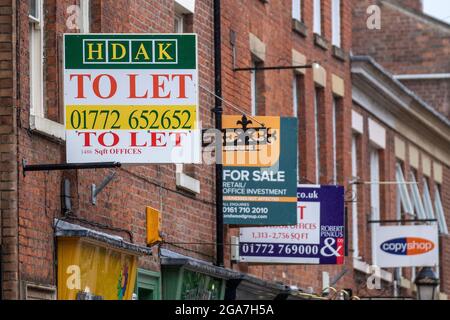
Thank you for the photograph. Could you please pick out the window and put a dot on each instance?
(36, 29)
(439, 210)
(374, 192)
(333, 111)
(85, 16)
(317, 133)
(317, 24)
(417, 201)
(403, 199)
(295, 101)
(426, 196)
(354, 197)
(178, 23)
(148, 285)
(297, 10)
(336, 22)
(257, 88)
(253, 89)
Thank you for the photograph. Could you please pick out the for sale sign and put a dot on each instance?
(259, 170)
(131, 98)
(317, 238)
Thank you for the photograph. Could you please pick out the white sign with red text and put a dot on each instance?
(131, 98)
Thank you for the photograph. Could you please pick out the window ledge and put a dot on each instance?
(339, 54)
(320, 41)
(185, 182)
(49, 128)
(299, 27)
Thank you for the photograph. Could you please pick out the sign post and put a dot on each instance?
(131, 98)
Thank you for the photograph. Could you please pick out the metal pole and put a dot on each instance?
(273, 68)
(218, 122)
(68, 166)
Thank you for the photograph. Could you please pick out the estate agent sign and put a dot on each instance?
(318, 237)
(131, 98)
(259, 170)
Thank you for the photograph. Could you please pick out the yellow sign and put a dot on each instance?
(90, 269)
(97, 117)
(251, 142)
(153, 226)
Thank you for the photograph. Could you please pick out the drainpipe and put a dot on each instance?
(218, 125)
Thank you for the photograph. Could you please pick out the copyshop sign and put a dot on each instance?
(131, 98)
(406, 246)
(318, 237)
(259, 170)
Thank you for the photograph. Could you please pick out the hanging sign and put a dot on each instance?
(259, 170)
(131, 98)
(317, 238)
(406, 246)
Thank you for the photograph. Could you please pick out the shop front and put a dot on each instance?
(93, 265)
(186, 278)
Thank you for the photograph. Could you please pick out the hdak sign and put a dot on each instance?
(131, 98)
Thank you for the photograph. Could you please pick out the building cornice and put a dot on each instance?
(399, 108)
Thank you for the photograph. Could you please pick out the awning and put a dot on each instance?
(170, 258)
(66, 229)
(239, 286)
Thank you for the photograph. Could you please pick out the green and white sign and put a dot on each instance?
(131, 98)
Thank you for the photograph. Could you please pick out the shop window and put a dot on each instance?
(440, 210)
(148, 285)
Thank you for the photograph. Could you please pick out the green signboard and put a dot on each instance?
(260, 170)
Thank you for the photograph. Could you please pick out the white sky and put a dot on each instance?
(437, 8)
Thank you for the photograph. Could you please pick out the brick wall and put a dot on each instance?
(407, 43)
(8, 151)
(272, 23)
(435, 92)
(186, 217)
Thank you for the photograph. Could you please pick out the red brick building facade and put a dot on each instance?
(257, 33)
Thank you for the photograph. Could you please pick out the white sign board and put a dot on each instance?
(406, 246)
(317, 238)
(131, 98)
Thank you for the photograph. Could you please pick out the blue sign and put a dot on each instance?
(317, 238)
